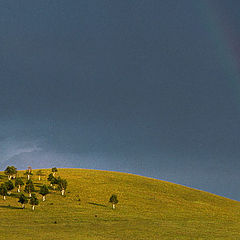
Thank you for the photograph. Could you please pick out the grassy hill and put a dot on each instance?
(147, 209)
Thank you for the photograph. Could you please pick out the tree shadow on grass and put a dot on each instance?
(3, 177)
(97, 204)
(39, 185)
(10, 207)
(15, 195)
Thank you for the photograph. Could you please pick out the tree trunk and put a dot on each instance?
(62, 192)
(44, 198)
(113, 206)
(33, 207)
(28, 177)
(30, 194)
(19, 189)
(4, 197)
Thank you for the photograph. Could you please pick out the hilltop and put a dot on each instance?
(147, 209)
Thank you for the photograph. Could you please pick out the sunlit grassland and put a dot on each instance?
(147, 209)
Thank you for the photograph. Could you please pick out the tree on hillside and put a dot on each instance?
(28, 173)
(18, 183)
(29, 187)
(50, 177)
(11, 172)
(29, 169)
(53, 182)
(14, 171)
(62, 185)
(113, 199)
(44, 191)
(9, 185)
(54, 170)
(33, 201)
(23, 200)
(40, 174)
(3, 191)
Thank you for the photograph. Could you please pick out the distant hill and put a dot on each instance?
(147, 209)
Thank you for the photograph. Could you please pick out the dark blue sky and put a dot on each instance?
(146, 87)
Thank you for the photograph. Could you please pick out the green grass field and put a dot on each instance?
(147, 209)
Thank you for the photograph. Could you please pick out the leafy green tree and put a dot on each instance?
(18, 183)
(9, 185)
(113, 199)
(14, 172)
(23, 200)
(29, 187)
(33, 201)
(50, 177)
(54, 170)
(11, 172)
(3, 191)
(44, 191)
(62, 185)
(40, 174)
(54, 181)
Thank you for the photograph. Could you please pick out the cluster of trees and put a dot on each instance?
(11, 172)
(61, 184)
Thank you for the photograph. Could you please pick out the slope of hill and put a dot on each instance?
(147, 209)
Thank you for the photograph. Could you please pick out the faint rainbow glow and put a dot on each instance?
(222, 27)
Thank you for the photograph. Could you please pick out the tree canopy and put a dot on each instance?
(44, 190)
(23, 200)
(9, 185)
(33, 201)
(62, 185)
(29, 187)
(50, 177)
(19, 182)
(113, 199)
(3, 190)
(10, 171)
(54, 170)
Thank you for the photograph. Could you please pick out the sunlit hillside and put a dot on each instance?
(147, 209)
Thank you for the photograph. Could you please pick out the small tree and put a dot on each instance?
(3, 191)
(54, 181)
(23, 200)
(50, 177)
(113, 199)
(18, 183)
(8, 172)
(39, 174)
(11, 172)
(44, 191)
(9, 185)
(14, 172)
(54, 170)
(33, 201)
(29, 187)
(62, 185)
(28, 173)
